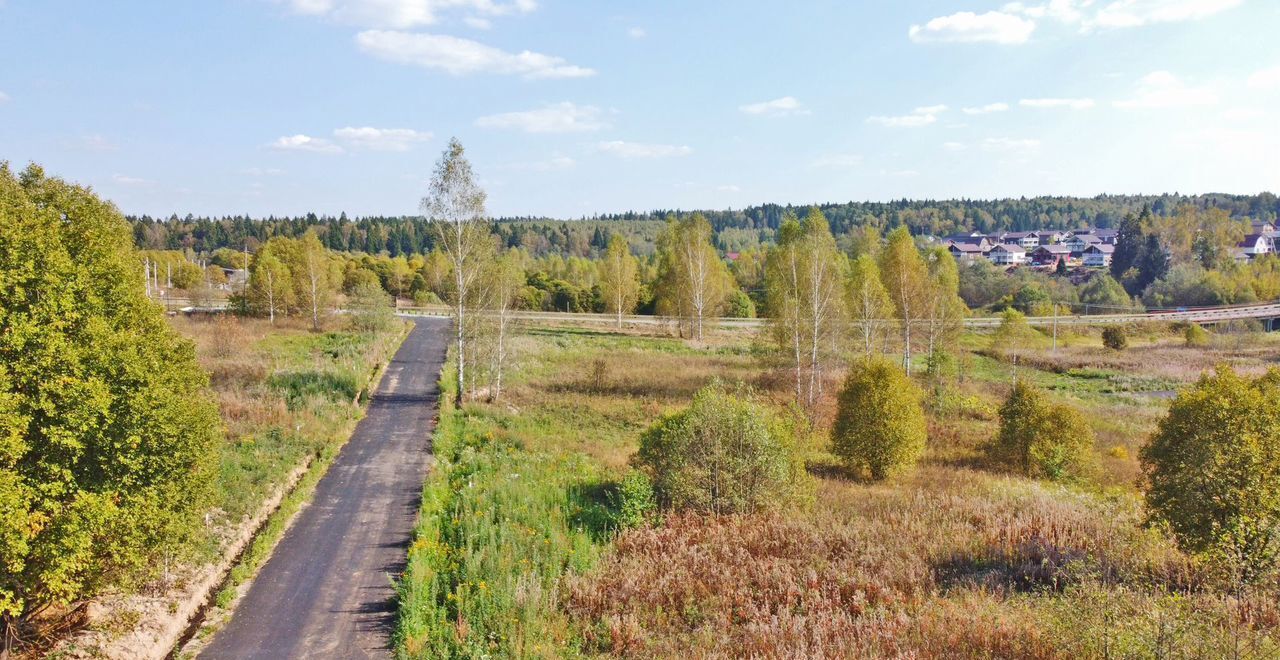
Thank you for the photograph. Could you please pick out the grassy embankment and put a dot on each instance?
(517, 556)
(289, 398)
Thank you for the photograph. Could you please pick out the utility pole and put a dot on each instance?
(1055, 328)
(146, 275)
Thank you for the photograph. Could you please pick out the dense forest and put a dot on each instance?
(734, 230)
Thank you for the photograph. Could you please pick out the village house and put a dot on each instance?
(1007, 255)
(1050, 255)
(1098, 255)
(1025, 239)
(967, 252)
(1079, 242)
(1255, 245)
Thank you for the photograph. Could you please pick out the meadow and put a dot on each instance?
(524, 548)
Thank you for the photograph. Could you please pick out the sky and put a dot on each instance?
(569, 109)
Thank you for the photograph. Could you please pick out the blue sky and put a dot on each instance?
(573, 108)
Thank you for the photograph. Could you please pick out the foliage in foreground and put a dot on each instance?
(498, 528)
(1042, 439)
(880, 425)
(1213, 469)
(723, 454)
(106, 436)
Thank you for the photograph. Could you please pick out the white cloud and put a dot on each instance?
(1264, 79)
(562, 117)
(838, 161)
(381, 139)
(478, 22)
(781, 107)
(262, 171)
(1004, 144)
(302, 142)
(729, 187)
(1161, 89)
(631, 150)
(986, 109)
(954, 146)
(968, 27)
(402, 14)
(125, 180)
(637, 33)
(1074, 104)
(1134, 13)
(460, 57)
(922, 116)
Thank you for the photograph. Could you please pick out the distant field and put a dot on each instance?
(518, 553)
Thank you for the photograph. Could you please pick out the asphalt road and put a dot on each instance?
(326, 591)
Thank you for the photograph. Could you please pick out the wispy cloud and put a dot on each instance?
(780, 107)
(564, 117)
(1073, 104)
(460, 57)
(306, 143)
(922, 116)
(986, 109)
(381, 139)
(637, 33)
(403, 13)
(1161, 89)
(633, 150)
(968, 27)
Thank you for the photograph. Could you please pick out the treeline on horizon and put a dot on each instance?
(735, 230)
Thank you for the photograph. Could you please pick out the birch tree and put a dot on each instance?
(455, 206)
(693, 281)
(314, 277)
(619, 278)
(805, 279)
(504, 282)
(905, 278)
(269, 284)
(943, 309)
(869, 305)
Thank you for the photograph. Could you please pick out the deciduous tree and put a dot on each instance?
(880, 424)
(905, 278)
(619, 278)
(693, 281)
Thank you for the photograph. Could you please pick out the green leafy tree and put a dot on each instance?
(1114, 338)
(271, 283)
(619, 279)
(1213, 469)
(805, 280)
(880, 424)
(371, 308)
(725, 453)
(1013, 333)
(906, 278)
(693, 282)
(740, 306)
(107, 434)
(1130, 238)
(868, 303)
(1040, 439)
(1103, 290)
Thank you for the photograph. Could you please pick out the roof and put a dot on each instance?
(1088, 238)
(1104, 248)
(1020, 234)
(1056, 248)
(1251, 240)
(1008, 247)
(965, 247)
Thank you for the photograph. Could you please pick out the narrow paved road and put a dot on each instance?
(327, 590)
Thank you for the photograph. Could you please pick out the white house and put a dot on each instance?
(1026, 239)
(1098, 255)
(1007, 255)
(1255, 245)
(1079, 242)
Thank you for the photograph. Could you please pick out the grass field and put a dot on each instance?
(518, 553)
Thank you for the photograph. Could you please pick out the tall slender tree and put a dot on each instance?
(503, 283)
(869, 305)
(619, 278)
(943, 309)
(694, 282)
(905, 278)
(455, 205)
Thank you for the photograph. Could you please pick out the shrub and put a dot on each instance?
(1041, 439)
(740, 306)
(636, 502)
(1196, 336)
(1213, 468)
(1114, 338)
(725, 453)
(371, 310)
(880, 425)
